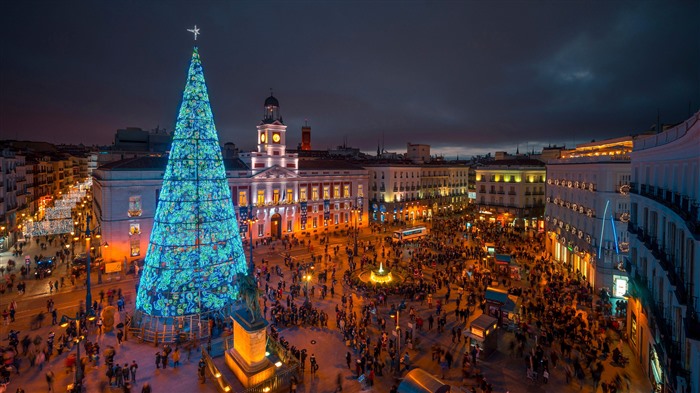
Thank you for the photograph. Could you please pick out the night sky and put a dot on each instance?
(466, 77)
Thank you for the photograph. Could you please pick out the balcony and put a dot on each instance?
(511, 192)
(682, 205)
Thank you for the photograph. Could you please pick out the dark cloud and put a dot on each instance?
(465, 77)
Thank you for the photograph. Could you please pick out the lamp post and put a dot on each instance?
(355, 212)
(251, 265)
(398, 341)
(88, 294)
(64, 323)
(306, 279)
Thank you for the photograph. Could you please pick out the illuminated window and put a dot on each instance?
(135, 245)
(261, 197)
(134, 229)
(346, 191)
(134, 206)
(315, 222)
(336, 191)
(289, 225)
(276, 196)
(242, 198)
(314, 193)
(314, 208)
(326, 192)
(302, 194)
(335, 219)
(290, 195)
(360, 193)
(261, 230)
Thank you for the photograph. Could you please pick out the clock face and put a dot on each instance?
(276, 137)
(262, 138)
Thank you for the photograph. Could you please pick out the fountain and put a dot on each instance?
(381, 276)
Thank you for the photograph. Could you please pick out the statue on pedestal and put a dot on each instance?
(250, 294)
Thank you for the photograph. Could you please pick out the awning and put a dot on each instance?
(420, 381)
(502, 258)
(496, 295)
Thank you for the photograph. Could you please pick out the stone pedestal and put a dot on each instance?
(247, 357)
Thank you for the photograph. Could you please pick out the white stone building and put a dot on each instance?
(587, 211)
(273, 192)
(664, 257)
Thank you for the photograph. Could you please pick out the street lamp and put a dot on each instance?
(306, 279)
(355, 212)
(88, 294)
(65, 320)
(398, 341)
(251, 265)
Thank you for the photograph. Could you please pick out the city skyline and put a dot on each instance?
(465, 77)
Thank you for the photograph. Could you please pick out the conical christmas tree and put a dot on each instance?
(195, 249)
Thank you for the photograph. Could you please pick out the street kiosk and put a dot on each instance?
(483, 334)
(420, 381)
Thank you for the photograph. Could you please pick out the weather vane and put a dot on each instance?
(194, 31)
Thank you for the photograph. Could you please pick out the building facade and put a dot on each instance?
(587, 210)
(664, 257)
(401, 191)
(511, 191)
(275, 193)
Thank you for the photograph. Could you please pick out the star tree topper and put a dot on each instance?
(194, 31)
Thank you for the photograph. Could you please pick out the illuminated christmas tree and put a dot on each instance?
(195, 248)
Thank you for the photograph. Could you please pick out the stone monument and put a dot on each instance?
(247, 357)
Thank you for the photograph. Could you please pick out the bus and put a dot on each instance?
(408, 234)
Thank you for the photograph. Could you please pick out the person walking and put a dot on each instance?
(146, 388)
(158, 360)
(134, 366)
(176, 357)
(50, 377)
(120, 336)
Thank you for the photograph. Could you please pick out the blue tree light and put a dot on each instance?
(195, 249)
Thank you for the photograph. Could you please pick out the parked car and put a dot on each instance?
(44, 267)
(80, 264)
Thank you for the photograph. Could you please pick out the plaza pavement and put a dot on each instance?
(505, 373)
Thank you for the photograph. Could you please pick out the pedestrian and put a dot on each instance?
(134, 366)
(120, 335)
(146, 388)
(545, 375)
(158, 359)
(99, 325)
(176, 357)
(202, 371)
(348, 359)
(50, 377)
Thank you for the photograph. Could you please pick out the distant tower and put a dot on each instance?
(306, 136)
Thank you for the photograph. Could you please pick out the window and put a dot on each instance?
(315, 222)
(359, 191)
(261, 197)
(289, 225)
(261, 230)
(326, 192)
(335, 219)
(314, 209)
(134, 229)
(134, 206)
(290, 195)
(314, 193)
(346, 191)
(276, 196)
(302, 194)
(242, 198)
(135, 245)
(336, 191)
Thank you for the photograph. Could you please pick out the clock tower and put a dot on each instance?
(272, 133)
(271, 143)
